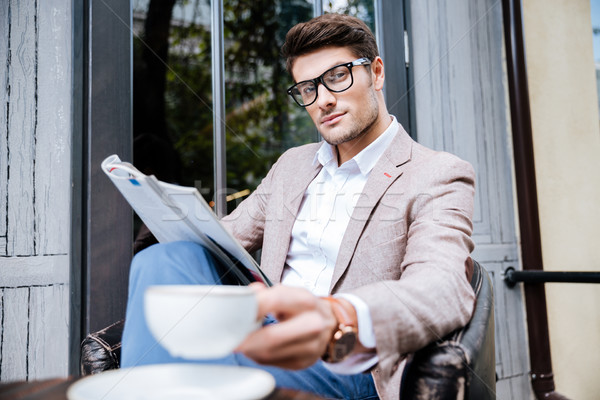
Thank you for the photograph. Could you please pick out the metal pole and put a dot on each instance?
(317, 8)
(318, 11)
(379, 38)
(512, 276)
(542, 378)
(379, 27)
(218, 89)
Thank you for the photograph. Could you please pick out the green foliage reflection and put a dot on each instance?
(173, 119)
(261, 120)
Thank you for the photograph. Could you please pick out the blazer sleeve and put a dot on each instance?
(433, 296)
(247, 222)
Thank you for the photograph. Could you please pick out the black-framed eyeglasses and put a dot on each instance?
(335, 79)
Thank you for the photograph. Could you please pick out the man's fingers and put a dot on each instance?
(284, 301)
(305, 325)
(257, 286)
(304, 352)
(302, 337)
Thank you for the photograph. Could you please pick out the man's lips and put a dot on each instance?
(332, 119)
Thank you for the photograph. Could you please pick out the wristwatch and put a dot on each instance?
(344, 337)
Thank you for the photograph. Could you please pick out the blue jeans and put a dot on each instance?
(190, 263)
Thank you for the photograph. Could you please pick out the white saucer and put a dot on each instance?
(175, 381)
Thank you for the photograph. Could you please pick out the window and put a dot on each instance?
(173, 101)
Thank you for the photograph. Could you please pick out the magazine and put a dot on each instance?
(178, 213)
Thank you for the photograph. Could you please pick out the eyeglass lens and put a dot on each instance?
(336, 79)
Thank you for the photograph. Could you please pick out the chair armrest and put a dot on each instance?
(101, 351)
(462, 364)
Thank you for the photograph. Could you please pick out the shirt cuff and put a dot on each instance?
(366, 335)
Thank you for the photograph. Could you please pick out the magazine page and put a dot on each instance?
(176, 213)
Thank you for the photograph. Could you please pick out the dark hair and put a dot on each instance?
(337, 30)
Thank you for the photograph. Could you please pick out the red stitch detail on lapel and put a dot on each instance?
(386, 174)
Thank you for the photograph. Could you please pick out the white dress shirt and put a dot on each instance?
(317, 234)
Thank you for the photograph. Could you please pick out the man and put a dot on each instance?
(369, 216)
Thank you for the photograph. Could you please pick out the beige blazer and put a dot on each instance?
(405, 251)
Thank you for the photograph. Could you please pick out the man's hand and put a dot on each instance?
(306, 324)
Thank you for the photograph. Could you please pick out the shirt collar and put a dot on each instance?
(367, 158)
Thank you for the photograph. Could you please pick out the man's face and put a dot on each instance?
(345, 116)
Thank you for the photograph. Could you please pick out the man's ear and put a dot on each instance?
(378, 73)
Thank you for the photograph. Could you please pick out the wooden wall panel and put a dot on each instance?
(511, 360)
(1, 329)
(14, 357)
(22, 117)
(35, 188)
(4, 96)
(34, 338)
(459, 77)
(34, 271)
(48, 332)
(53, 145)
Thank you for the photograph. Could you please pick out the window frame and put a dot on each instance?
(102, 221)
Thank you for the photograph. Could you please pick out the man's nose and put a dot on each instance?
(325, 98)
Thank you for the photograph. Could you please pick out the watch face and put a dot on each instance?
(344, 344)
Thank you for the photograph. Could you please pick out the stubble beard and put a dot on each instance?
(363, 126)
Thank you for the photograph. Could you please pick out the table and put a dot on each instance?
(56, 389)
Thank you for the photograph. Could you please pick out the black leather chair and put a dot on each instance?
(459, 366)
(101, 351)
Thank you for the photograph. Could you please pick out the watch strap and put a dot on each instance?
(340, 312)
(344, 336)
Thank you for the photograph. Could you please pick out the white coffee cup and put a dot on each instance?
(200, 321)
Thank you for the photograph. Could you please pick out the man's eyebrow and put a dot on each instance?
(338, 63)
(335, 64)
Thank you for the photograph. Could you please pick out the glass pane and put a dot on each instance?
(363, 9)
(173, 91)
(172, 95)
(262, 120)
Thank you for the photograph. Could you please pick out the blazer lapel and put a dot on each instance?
(384, 173)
